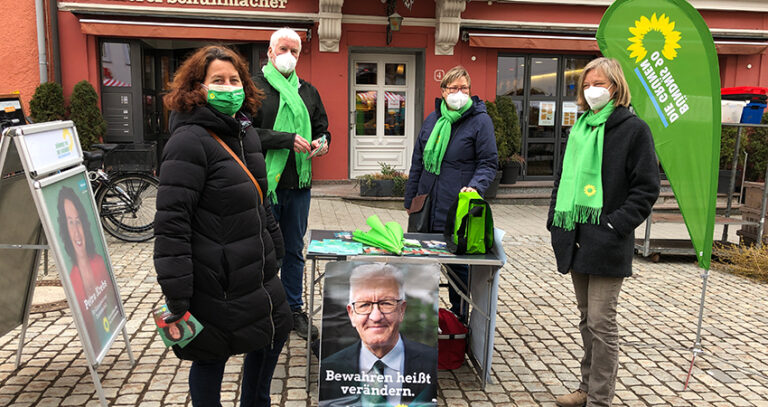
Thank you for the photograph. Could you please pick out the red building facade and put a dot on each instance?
(377, 84)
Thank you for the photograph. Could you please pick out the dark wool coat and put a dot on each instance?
(275, 140)
(216, 244)
(630, 176)
(470, 160)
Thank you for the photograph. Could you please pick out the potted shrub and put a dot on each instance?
(511, 169)
(47, 104)
(508, 139)
(387, 182)
(511, 162)
(501, 147)
(85, 113)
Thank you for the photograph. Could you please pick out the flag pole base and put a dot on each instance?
(695, 351)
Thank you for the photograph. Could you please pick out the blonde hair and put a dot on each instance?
(453, 75)
(612, 70)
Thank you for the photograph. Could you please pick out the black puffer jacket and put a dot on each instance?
(217, 245)
(630, 176)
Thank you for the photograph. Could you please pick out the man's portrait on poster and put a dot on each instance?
(383, 367)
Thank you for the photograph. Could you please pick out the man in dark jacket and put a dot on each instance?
(293, 109)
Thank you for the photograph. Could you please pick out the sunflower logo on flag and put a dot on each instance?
(661, 25)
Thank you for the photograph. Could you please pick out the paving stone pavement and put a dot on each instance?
(537, 341)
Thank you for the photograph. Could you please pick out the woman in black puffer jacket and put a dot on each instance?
(217, 245)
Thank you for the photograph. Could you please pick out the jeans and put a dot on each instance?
(462, 273)
(596, 299)
(205, 379)
(292, 212)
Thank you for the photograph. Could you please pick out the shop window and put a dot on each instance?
(573, 68)
(542, 119)
(116, 64)
(544, 76)
(365, 73)
(365, 109)
(545, 89)
(511, 76)
(394, 114)
(394, 74)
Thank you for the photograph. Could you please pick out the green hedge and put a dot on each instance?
(84, 111)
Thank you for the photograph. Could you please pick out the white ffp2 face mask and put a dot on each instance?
(456, 101)
(285, 63)
(597, 97)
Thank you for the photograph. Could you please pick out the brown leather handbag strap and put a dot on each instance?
(232, 153)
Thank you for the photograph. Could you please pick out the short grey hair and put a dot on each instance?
(284, 32)
(453, 75)
(367, 271)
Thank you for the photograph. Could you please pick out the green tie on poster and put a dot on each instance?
(669, 59)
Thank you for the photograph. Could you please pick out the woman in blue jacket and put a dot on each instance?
(455, 152)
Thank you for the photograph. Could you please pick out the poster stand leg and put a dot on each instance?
(21, 343)
(30, 292)
(97, 384)
(128, 346)
(697, 345)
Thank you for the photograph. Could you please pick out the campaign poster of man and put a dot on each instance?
(379, 338)
(78, 241)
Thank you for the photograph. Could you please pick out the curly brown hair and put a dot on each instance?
(185, 92)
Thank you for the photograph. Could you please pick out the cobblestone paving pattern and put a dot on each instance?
(537, 341)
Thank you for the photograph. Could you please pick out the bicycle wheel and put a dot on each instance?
(127, 206)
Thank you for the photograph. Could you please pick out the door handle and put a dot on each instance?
(352, 119)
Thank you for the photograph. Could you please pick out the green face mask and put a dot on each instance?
(226, 99)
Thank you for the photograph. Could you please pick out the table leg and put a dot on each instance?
(484, 292)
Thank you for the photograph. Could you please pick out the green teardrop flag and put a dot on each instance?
(388, 237)
(669, 59)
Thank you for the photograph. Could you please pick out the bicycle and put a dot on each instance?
(125, 200)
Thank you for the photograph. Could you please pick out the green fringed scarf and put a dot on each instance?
(580, 193)
(434, 151)
(293, 117)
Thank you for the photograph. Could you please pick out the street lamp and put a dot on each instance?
(395, 21)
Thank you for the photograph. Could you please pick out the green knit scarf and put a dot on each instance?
(434, 151)
(580, 193)
(293, 117)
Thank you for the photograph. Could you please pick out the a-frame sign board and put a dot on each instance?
(44, 188)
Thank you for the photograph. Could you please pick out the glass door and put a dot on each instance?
(544, 88)
(381, 112)
(158, 67)
(542, 116)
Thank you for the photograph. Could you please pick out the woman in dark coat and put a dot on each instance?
(217, 245)
(606, 187)
(464, 159)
